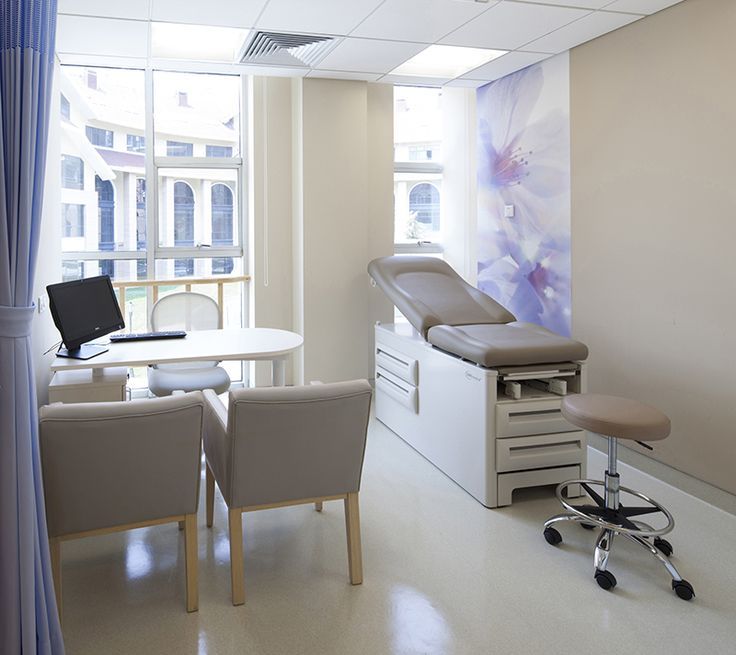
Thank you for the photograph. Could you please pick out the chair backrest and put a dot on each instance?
(429, 292)
(289, 443)
(116, 463)
(185, 311)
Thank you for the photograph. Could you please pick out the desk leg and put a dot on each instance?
(278, 372)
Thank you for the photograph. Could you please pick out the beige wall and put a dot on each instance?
(653, 109)
(327, 149)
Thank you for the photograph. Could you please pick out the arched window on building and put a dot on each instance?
(183, 226)
(424, 199)
(106, 213)
(222, 215)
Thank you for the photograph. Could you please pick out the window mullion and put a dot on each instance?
(151, 193)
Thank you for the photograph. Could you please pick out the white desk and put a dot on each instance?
(203, 345)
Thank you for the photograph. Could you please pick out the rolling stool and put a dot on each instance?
(616, 418)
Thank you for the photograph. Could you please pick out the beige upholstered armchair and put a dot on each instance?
(282, 446)
(122, 465)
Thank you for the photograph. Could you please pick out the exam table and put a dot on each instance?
(472, 389)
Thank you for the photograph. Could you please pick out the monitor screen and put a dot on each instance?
(84, 309)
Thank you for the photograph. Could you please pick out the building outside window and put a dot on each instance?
(72, 220)
(129, 209)
(179, 149)
(72, 172)
(136, 143)
(65, 107)
(417, 169)
(99, 137)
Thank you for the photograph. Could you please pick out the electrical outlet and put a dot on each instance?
(508, 211)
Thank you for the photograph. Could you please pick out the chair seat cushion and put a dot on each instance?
(613, 416)
(509, 344)
(164, 381)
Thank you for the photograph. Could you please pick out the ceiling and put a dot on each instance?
(372, 37)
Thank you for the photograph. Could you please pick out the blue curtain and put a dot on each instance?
(29, 622)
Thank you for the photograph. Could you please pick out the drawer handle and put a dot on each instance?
(540, 446)
(383, 353)
(537, 412)
(393, 384)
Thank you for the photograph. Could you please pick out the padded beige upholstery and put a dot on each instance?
(111, 464)
(429, 292)
(506, 345)
(277, 444)
(613, 416)
(460, 319)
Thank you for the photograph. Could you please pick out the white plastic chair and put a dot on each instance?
(186, 311)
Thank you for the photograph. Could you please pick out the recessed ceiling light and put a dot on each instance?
(446, 61)
(199, 42)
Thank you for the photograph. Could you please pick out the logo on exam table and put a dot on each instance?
(470, 376)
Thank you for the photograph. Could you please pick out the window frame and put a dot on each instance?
(153, 163)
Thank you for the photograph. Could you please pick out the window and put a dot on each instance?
(183, 214)
(183, 99)
(141, 226)
(136, 143)
(72, 172)
(106, 213)
(222, 215)
(219, 151)
(99, 137)
(92, 79)
(66, 110)
(417, 169)
(179, 149)
(72, 217)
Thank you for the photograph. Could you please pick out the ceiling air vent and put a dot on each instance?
(280, 49)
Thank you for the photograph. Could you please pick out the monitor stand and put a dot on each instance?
(85, 351)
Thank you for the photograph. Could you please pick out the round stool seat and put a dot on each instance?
(612, 416)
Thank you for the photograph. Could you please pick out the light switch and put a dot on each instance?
(508, 211)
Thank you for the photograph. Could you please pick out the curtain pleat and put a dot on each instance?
(29, 622)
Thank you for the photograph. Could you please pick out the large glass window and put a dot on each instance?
(136, 143)
(183, 214)
(417, 169)
(179, 149)
(222, 215)
(219, 151)
(72, 217)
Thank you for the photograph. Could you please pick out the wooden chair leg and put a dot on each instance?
(235, 521)
(352, 528)
(191, 558)
(55, 548)
(318, 505)
(210, 500)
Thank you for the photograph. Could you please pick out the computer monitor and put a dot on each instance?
(84, 310)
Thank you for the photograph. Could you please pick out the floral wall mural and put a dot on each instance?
(524, 162)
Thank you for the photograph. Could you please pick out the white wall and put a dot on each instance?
(48, 268)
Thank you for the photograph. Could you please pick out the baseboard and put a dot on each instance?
(687, 483)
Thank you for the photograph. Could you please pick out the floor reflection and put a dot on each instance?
(417, 625)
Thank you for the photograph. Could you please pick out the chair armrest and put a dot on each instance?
(216, 441)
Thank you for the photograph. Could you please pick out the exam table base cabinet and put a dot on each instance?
(456, 414)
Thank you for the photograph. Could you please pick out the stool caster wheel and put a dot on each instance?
(587, 526)
(552, 536)
(683, 589)
(605, 579)
(664, 546)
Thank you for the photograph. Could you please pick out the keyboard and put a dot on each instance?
(148, 336)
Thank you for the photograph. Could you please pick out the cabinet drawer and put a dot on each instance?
(538, 417)
(403, 393)
(403, 367)
(540, 451)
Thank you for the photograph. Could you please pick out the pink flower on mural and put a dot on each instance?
(524, 162)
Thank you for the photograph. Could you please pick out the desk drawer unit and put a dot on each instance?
(538, 417)
(539, 451)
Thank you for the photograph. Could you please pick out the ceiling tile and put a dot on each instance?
(641, 6)
(585, 29)
(136, 9)
(321, 16)
(343, 75)
(418, 20)
(101, 36)
(582, 4)
(510, 25)
(228, 13)
(509, 63)
(369, 55)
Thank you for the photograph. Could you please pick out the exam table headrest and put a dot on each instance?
(429, 292)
